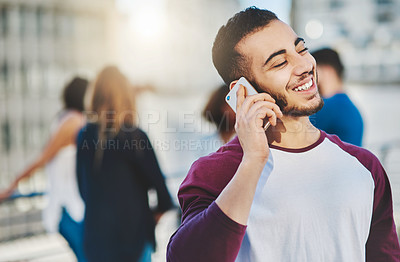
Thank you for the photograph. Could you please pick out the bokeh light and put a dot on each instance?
(148, 23)
(314, 29)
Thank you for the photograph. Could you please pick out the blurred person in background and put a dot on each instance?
(218, 112)
(65, 209)
(339, 115)
(116, 166)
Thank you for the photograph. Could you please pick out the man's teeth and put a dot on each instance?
(306, 86)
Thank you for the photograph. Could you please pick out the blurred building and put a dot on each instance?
(170, 48)
(168, 44)
(43, 43)
(366, 32)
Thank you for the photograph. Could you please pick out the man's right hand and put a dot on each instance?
(250, 114)
(236, 198)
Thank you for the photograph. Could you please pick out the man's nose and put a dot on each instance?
(302, 64)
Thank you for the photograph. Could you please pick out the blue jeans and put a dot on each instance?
(72, 231)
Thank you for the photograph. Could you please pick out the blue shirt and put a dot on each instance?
(340, 116)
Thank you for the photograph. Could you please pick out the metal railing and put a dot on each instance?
(21, 216)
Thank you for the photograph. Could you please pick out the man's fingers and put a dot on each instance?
(266, 104)
(263, 113)
(240, 94)
(252, 99)
(278, 111)
(256, 108)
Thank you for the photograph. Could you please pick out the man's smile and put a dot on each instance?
(305, 86)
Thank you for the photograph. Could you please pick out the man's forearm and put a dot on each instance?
(236, 198)
(208, 236)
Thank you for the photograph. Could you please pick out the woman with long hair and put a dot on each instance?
(116, 167)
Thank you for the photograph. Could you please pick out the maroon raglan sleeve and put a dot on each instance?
(383, 243)
(206, 233)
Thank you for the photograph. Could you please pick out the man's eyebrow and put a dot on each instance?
(283, 51)
(298, 40)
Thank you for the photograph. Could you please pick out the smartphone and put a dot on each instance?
(231, 97)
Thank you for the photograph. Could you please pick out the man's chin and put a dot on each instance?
(305, 111)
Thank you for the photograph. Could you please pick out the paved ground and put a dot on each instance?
(53, 248)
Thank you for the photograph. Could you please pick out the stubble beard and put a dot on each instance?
(292, 110)
(296, 111)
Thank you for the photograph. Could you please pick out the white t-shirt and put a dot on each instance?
(62, 189)
(296, 206)
(328, 202)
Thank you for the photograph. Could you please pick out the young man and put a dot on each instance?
(292, 193)
(339, 115)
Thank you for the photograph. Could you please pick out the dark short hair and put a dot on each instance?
(73, 94)
(328, 56)
(230, 64)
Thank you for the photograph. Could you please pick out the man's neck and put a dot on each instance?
(293, 132)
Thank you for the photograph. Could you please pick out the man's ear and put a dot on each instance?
(232, 84)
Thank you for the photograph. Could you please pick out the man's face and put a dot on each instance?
(280, 64)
